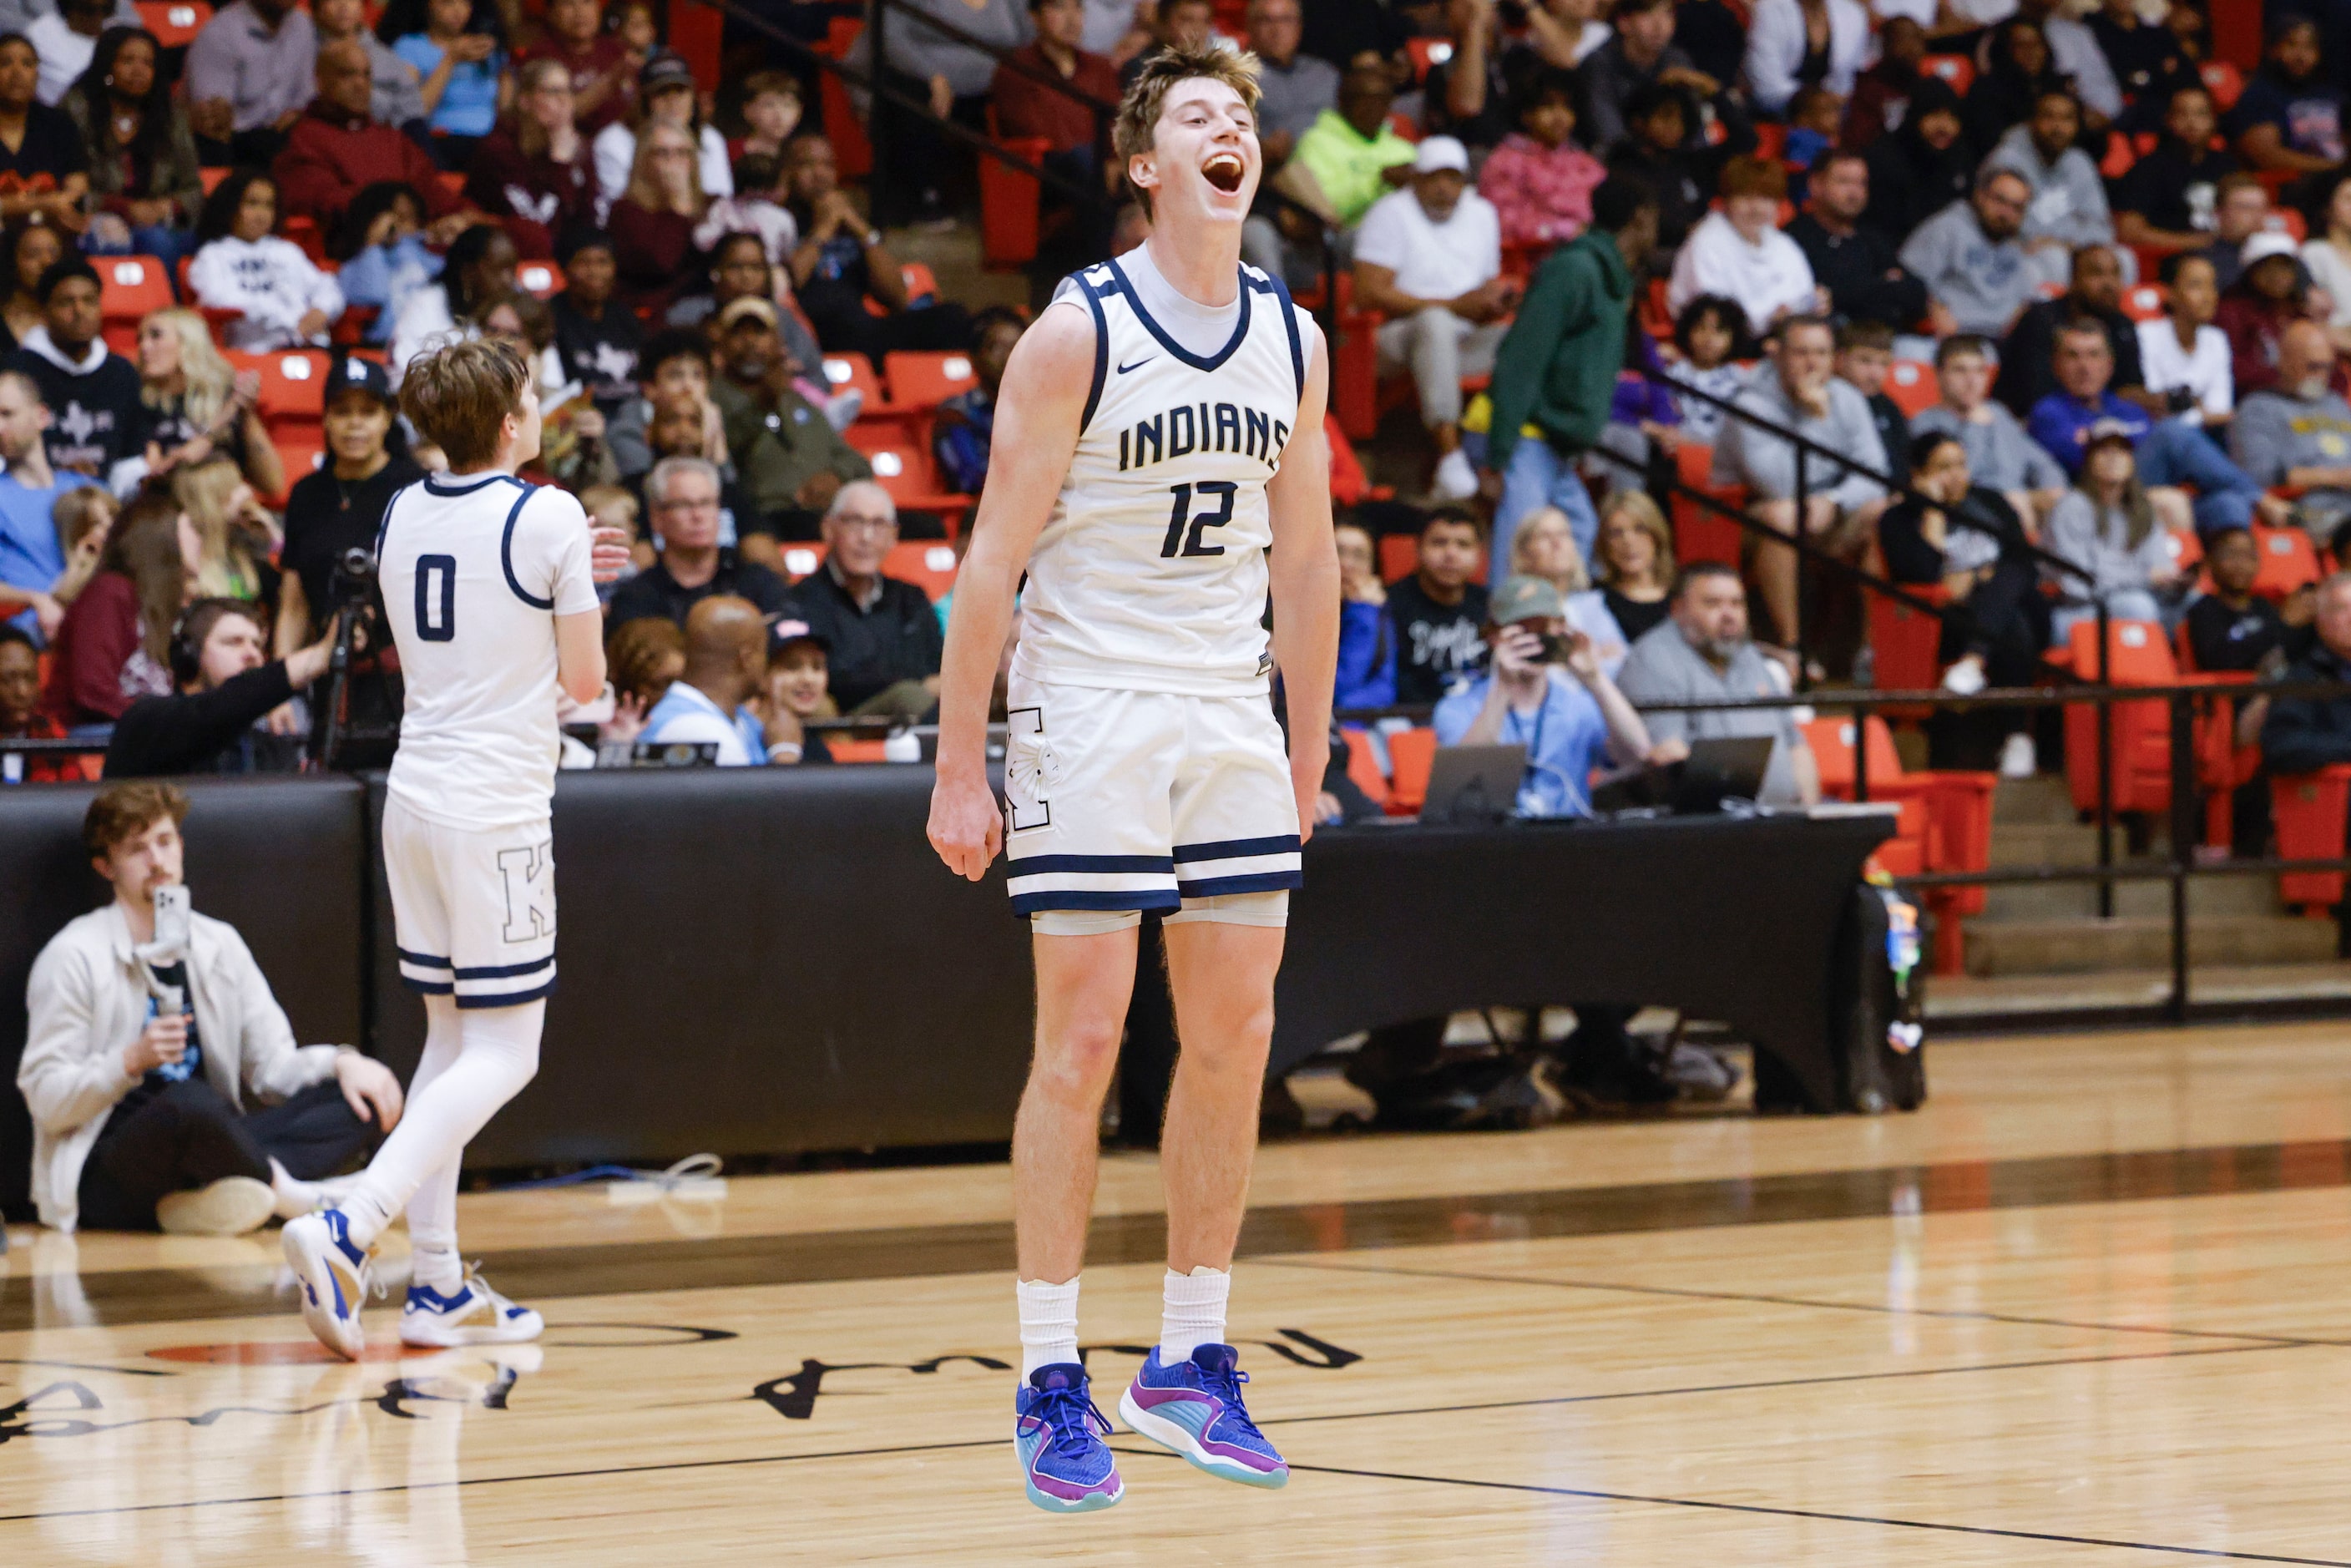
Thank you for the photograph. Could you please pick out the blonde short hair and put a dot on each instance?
(458, 397)
(1138, 127)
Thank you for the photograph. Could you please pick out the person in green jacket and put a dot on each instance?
(1555, 373)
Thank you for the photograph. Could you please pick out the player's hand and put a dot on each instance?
(371, 1090)
(1306, 784)
(607, 554)
(966, 826)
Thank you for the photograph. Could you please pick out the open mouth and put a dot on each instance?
(1224, 171)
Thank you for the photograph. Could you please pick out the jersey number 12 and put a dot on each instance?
(1180, 542)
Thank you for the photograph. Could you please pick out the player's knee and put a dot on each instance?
(1078, 1057)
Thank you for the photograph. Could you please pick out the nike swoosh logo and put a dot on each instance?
(1138, 364)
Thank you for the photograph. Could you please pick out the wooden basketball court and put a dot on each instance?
(2088, 1307)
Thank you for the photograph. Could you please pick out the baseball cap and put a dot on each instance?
(1441, 152)
(790, 634)
(2267, 243)
(351, 374)
(664, 70)
(750, 305)
(1524, 599)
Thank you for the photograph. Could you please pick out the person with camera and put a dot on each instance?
(151, 1041)
(333, 511)
(214, 722)
(1545, 690)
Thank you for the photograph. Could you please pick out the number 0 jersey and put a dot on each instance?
(474, 568)
(1151, 574)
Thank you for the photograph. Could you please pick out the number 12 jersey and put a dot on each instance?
(1151, 574)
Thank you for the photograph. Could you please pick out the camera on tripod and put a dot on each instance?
(354, 576)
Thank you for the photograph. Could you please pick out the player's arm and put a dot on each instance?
(1305, 566)
(1037, 412)
(579, 655)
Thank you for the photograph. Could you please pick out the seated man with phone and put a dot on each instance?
(152, 1039)
(1545, 691)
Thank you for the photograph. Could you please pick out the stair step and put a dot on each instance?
(2208, 897)
(2044, 798)
(2047, 843)
(2057, 947)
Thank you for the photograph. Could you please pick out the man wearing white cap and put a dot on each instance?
(1429, 257)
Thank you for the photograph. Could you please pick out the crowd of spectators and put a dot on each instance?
(1775, 205)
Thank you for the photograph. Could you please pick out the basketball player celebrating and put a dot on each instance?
(1159, 462)
(490, 588)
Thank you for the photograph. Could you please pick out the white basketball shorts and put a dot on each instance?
(472, 912)
(1144, 801)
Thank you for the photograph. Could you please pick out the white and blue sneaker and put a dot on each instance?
(334, 1276)
(474, 1315)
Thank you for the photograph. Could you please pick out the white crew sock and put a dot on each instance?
(1048, 1324)
(295, 1197)
(1192, 1312)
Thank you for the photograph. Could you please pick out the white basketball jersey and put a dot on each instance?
(1150, 575)
(474, 568)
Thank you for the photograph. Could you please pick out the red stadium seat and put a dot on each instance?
(293, 387)
(1427, 52)
(213, 177)
(1399, 557)
(843, 371)
(2222, 765)
(1904, 643)
(1956, 69)
(2144, 303)
(300, 452)
(1950, 832)
(175, 23)
(2309, 812)
(1701, 533)
(2224, 81)
(1911, 384)
(1364, 767)
(2288, 562)
(901, 455)
(1412, 752)
(801, 559)
(924, 380)
(1009, 204)
(926, 563)
(129, 287)
(541, 278)
(843, 128)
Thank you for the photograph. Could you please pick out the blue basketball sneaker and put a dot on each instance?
(1195, 1407)
(334, 1276)
(1058, 1434)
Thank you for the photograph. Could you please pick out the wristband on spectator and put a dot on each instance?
(784, 751)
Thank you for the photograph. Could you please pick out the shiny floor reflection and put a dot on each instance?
(2045, 1356)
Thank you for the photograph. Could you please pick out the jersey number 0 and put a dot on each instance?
(437, 578)
(1178, 541)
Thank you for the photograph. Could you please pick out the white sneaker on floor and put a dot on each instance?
(474, 1315)
(2017, 758)
(333, 1274)
(1456, 480)
(229, 1207)
(1964, 678)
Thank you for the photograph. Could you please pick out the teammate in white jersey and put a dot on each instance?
(490, 586)
(1159, 471)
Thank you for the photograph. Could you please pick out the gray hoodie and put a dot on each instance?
(1983, 284)
(2001, 456)
(2069, 200)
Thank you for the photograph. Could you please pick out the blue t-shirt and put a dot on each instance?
(469, 104)
(29, 554)
(1561, 738)
(685, 716)
(2062, 423)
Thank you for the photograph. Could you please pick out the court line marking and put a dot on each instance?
(2049, 1537)
(746, 1459)
(1958, 1313)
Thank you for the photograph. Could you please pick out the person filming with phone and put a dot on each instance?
(166, 1088)
(1544, 690)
